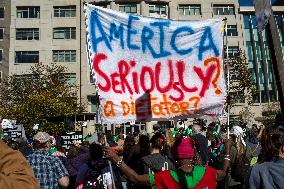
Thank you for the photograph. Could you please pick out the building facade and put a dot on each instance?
(5, 19)
(54, 32)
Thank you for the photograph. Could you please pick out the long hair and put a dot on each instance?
(144, 144)
(128, 143)
(240, 146)
(271, 142)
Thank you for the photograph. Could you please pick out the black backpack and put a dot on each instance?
(94, 178)
(241, 167)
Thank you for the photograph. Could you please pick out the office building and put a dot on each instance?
(5, 20)
(54, 32)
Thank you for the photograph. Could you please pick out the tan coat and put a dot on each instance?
(15, 171)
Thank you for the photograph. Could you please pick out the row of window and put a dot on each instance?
(160, 9)
(183, 9)
(33, 56)
(70, 33)
(33, 33)
(70, 55)
(34, 11)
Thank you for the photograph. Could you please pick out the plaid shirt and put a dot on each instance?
(47, 169)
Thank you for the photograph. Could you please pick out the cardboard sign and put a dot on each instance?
(17, 131)
(71, 138)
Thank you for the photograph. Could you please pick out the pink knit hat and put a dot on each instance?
(184, 148)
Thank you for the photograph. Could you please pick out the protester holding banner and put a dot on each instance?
(188, 169)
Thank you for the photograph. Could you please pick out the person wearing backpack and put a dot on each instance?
(241, 155)
(155, 162)
(95, 174)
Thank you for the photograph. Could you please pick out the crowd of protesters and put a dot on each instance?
(194, 156)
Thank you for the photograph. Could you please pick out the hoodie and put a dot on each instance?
(266, 175)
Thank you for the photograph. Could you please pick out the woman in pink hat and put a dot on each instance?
(189, 173)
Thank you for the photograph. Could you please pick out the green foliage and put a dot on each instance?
(269, 113)
(41, 93)
(244, 81)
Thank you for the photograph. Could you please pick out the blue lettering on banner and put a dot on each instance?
(131, 31)
(103, 38)
(175, 35)
(125, 34)
(146, 36)
(117, 33)
(207, 34)
(161, 25)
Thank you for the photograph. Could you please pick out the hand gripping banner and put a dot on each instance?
(155, 69)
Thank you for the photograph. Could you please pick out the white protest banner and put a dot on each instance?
(155, 69)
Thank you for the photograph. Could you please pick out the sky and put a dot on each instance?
(250, 2)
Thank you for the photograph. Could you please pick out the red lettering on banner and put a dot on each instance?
(144, 70)
(127, 78)
(178, 89)
(181, 68)
(205, 78)
(123, 72)
(96, 61)
(157, 77)
(115, 82)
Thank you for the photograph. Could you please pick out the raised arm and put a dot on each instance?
(226, 163)
(130, 174)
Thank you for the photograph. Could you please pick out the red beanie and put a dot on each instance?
(184, 148)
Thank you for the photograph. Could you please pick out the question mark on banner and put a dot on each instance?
(215, 79)
(196, 101)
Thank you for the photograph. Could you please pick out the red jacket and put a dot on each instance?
(164, 180)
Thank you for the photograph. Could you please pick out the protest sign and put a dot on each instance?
(72, 138)
(155, 69)
(17, 131)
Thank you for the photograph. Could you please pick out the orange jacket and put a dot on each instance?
(15, 171)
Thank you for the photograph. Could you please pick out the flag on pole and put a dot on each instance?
(263, 11)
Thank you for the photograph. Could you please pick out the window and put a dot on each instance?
(64, 33)
(27, 57)
(27, 34)
(64, 56)
(223, 10)
(71, 79)
(1, 33)
(189, 9)
(28, 12)
(234, 76)
(1, 55)
(65, 11)
(231, 30)
(94, 103)
(1, 12)
(128, 8)
(92, 79)
(237, 97)
(232, 51)
(158, 11)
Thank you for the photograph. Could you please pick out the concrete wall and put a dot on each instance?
(4, 44)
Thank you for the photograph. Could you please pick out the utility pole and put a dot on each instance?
(276, 57)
